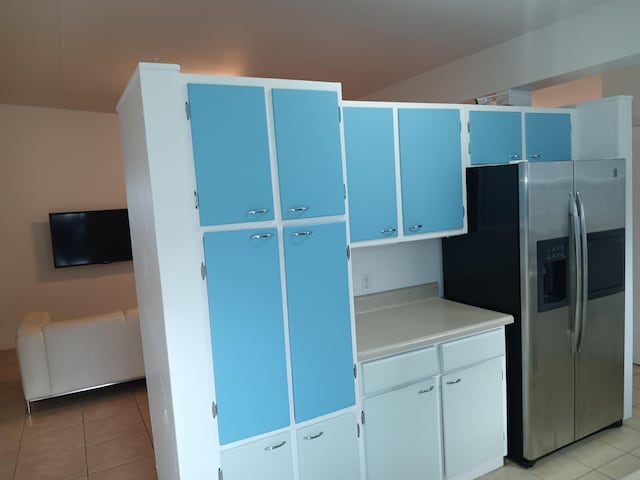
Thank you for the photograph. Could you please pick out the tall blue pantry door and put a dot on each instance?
(319, 319)
(307, 130)
(231, 153)
(247, 332)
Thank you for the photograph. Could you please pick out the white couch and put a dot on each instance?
(69, 356)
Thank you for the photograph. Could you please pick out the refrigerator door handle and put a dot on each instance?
(576, 287)
(584, 260)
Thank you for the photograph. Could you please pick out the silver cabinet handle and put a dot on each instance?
(535, 156)
(313, 437)
(388, 231)
(305, 233)
(426, 390)
(514, 156)
(258, 236)
(414, 228)
(297, 209)
(277, 445)
(258, 211)
(453, 382)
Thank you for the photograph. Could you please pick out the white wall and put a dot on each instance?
(56, 160)
(570, 49)
(397, 266)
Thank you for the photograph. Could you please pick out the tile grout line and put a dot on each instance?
(15, 467)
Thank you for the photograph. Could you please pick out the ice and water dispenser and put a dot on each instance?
(553, 273)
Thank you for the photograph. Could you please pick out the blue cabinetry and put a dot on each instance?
(307, 131)
(431, 170)
(547, 136)
(495, 136)
(247, 332)
(319, 318)
(231, 153)
(370, 152)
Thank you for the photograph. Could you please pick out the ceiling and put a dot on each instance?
(79, 54)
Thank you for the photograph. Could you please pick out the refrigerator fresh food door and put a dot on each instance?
(547, 361)
(599, 367)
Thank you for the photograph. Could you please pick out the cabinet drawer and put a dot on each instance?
(470, 350)
(267, 458)
(399, 370)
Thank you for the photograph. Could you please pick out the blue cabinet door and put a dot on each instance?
(231, 153)
(495, 137)
(371, 174)
(308, 148)
(247, 332)
(430, 170)
(547, 136)
(319, 319)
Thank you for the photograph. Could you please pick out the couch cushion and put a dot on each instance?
(32, 356)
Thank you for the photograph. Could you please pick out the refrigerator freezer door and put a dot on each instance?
(599, 363)
(547, 362)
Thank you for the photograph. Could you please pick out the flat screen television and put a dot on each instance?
(90, 237)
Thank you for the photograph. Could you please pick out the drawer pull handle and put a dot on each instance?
(258, 211)
(514, 156)
(298, 209)
(414, 228)
(312, 437)
(277, 445)
(388, 231)
(534, 156)
(305, 233)
(453, 382)
(259, 236)
(426, 390)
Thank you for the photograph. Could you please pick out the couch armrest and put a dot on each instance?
(32, 356)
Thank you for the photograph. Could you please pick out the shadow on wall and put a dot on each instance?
(46, 272)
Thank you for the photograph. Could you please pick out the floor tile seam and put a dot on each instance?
(146, 427)
(15, 465)
(118, 465)
(615, 459)
(86, 455)
(120, 435)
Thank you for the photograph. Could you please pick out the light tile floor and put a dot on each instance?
(610, 454)
(104, 434)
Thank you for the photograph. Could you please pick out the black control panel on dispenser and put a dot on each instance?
(553, 273)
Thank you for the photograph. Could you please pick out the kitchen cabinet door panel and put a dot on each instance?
(329, 450)
(319, 319)
(247, 332)
(308, 147)
(548, 136)
(495, 137)
(371, 176)
(266, 459)
(431, 170)
(402, 433)
(231, 153)
(472, 416)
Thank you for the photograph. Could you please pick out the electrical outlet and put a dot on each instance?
(365, 282)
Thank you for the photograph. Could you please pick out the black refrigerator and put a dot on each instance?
(545, 243)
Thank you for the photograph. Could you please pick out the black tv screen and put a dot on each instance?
(90, 237)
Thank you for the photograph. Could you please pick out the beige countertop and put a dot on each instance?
(415, 317)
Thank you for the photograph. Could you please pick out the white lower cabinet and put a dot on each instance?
(329, 450)
(473, 417)
(266, 459)
(402, 433)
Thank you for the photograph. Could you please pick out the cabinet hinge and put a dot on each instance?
(220, 474)
(469, 145)
(339, 115)
(355, 370)
(348, 252)
(196, 199)
(462, 211)
(358, 430)
(214, 409)
(344, 191)
(187, 110)
(468, 127)
(362, 417)
(203, 273)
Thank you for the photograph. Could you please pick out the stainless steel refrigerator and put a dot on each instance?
(546, 244)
